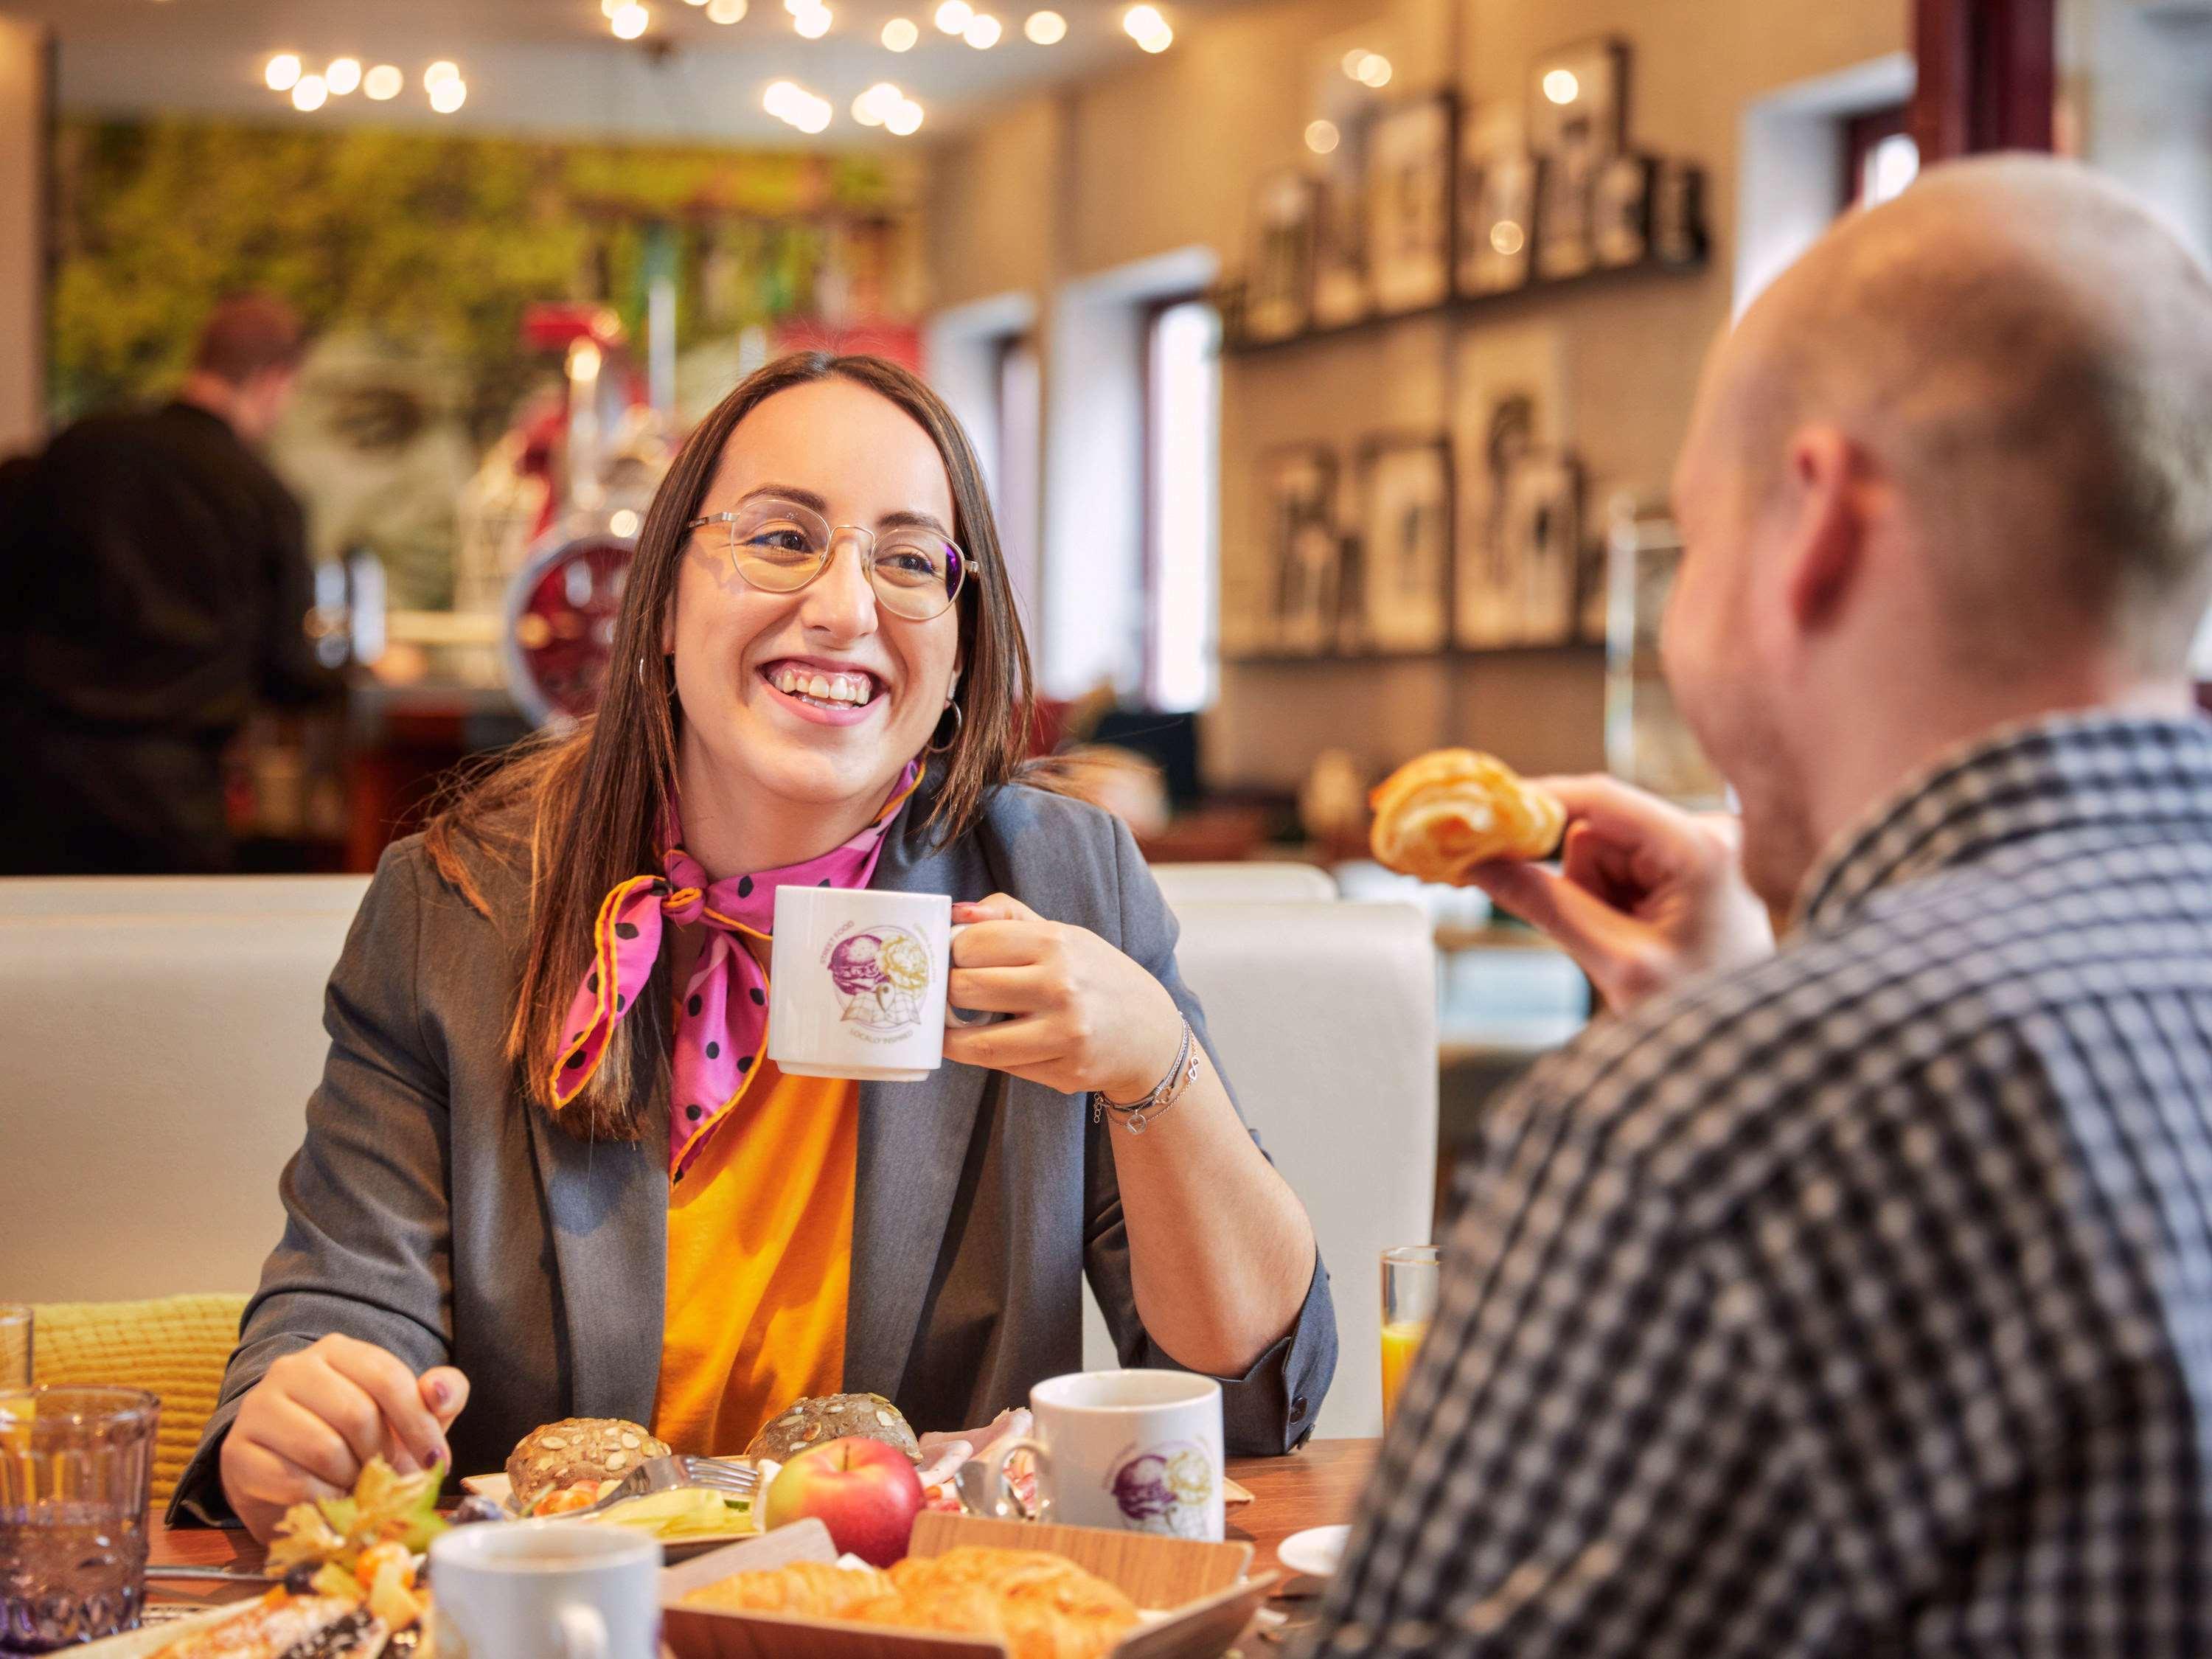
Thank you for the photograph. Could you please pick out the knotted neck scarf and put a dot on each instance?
(721, 1018)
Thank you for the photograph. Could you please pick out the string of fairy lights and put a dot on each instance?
(883, 105)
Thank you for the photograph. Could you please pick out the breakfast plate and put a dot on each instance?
(497, 1489)
(1315, 1551)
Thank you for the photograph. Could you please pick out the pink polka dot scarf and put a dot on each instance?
(721, 1018)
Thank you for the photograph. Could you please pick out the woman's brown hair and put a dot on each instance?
(577, 811)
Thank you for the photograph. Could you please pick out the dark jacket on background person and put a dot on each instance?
(433, 1211)
(153, 580)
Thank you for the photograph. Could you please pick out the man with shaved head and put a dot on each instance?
(1856, 1295)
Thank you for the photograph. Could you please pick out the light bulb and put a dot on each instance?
(816, 118)
(308, 92)
(983, 31)
(630, 22)
(443, 70)
(901, 34)
(282, 72)
(1561, 87)
(1141, 20)
(1046, 28)
(776, 100)
(1376, 71)
(342, 76)
(1322, 137)
(1352, 60)
(383, 84)
(725, 11)
(955, 16)
(1159, 40)
(905, 119)
(449, 95)
(812, 25)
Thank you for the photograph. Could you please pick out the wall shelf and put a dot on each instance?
(1469, 304)
(1456, 654)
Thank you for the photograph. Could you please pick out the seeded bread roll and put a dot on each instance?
(577, 1448)
(833, 1417)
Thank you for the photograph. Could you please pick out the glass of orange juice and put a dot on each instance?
(1411, 1274)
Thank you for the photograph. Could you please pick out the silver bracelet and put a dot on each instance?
(1170, 1090)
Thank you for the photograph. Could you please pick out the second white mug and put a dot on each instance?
(545, 1589)
(1139, 1451)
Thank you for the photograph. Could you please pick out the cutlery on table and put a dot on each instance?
(669, 1473)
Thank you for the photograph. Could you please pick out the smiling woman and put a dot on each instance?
(550, 1172)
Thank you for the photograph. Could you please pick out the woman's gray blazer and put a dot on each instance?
(433, 1211)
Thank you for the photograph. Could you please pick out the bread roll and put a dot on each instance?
(577, 1448)
(833, 1417)
(1438, 816)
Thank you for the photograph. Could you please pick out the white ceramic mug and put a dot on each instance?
(1139, 1451)
(858, 983)
(545, 1589)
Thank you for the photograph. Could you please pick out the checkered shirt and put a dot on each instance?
(1860, 1301)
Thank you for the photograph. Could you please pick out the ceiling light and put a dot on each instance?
(1322, 137)
(1046, 28)
(1352, 60)
(308, 92)
(449, 95)
(874, 106)
(777, 100)
(725, 11)
(1376, 71)
(342, 76)
(905, 119)
(955, 16)
(816, 118)
(383, 84)
(283, 71)
(443, 70)
(1148, 28)
(983, 32)
(812, 24)
(1159, 40)
(630, 20)
(900, 34)
(1561, 87)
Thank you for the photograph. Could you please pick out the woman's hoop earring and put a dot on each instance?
(958, 721)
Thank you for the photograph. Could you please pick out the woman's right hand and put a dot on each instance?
(311, 1423)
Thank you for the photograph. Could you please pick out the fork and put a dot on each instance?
(669, 1473)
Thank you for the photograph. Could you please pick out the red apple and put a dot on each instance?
(865, 1492)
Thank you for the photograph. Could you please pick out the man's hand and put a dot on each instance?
(306, 1429)
(1646, 896)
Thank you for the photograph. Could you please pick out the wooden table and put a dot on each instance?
(1316, 1487)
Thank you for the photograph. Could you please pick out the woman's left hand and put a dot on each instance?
(1084, 1015)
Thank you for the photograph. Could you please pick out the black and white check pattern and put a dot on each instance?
(1862, 1301)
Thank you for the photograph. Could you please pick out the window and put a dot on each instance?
(1018, 399)
(1879, 157)
(1182, 419)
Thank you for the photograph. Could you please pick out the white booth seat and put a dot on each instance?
(160, 1058)
(1253, 883)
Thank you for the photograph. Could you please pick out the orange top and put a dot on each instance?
(760, 1263)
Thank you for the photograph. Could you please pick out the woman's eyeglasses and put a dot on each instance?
(779, 546)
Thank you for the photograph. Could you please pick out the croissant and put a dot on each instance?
(1041, 1606)
(812, 1590)
(1440, 814)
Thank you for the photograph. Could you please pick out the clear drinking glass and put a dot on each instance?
(14, 1345)
(75, 1465)
(1411, 1275)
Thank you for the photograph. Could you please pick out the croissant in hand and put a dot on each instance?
(1438, 816)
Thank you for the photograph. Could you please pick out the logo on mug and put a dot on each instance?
(1165, 1488)
(881, 974)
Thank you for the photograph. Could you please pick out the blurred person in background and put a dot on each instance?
(154, 583)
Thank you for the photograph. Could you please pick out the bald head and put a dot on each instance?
(2026, 355)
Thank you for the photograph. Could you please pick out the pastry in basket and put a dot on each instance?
(1438, 816)
(1041, 1606)
(811, 1590)
(574, 1452)
(833, 1417)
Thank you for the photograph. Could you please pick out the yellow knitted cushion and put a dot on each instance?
(175, 1347)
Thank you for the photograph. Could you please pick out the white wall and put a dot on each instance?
(23, 103)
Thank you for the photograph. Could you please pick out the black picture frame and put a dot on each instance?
(1303, 548)
(1413, 152)
(1621, 211)
(1342, 293)
(1408, 518)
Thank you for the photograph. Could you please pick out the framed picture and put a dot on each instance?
(1511, 414)
(1404, 546)
(1677, 213)
(1497, 209)
(1298, 486)
(1279, 293)
(1543, 529)
(1410, 152)
(1342, 291)
(1578, 100)
(1621, 213)
(1565, 243)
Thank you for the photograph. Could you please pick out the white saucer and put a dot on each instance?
(1315, 1551)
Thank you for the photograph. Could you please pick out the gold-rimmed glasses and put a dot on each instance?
(779, 546)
